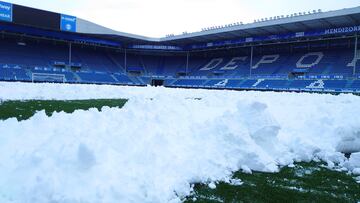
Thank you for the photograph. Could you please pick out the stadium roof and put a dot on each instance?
(303, 22)
(31, 21)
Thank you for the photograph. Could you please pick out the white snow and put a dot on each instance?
(353, 162)
(291, 165)
(163, 140)
(357, 179)
(235, 182)
(212, 185)
(356, 171)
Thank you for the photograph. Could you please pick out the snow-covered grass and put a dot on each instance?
(304, 182)
(163, 140)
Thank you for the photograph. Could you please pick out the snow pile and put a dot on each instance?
(350, 140)
(353, 164)
(163, 140)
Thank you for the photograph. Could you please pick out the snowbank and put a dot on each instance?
(164, 140)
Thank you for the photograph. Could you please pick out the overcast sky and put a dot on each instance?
(156, 18)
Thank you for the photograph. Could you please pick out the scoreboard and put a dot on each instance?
(36, 18)
(23, 15)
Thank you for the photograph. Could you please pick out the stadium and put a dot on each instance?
(296, 53)
(90, 114)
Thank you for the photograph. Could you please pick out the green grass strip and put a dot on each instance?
(307, 182)
(23, 110)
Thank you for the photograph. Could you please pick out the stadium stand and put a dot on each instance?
(322, 55)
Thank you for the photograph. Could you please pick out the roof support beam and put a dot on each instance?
(266, 31)
(244, 32)
(327, 22)
(251, 59)
(355, 54)
(70, 54)
(349, 17)
(125, 60)
(302, 25)
(283, 28)
(187, 64)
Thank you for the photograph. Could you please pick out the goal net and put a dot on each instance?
(47, 77)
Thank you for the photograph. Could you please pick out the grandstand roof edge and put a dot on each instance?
(87, 27)
(315, 16)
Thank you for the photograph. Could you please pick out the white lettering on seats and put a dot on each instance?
(267, 59)
(319, 57)
(356, 58)
(232, 65)
(319, 84)
(212, 64)
(258, 82)
(222, 83)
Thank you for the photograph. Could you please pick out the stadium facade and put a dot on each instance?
(315, 51)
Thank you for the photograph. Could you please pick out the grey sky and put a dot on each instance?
(156, 18)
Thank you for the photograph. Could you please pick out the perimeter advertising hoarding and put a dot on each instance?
(6, 11)
(68, 23)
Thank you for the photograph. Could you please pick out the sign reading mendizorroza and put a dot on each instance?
(343, 30)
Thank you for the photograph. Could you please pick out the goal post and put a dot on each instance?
(48, 77)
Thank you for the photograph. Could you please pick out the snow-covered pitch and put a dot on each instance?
(164, 140)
